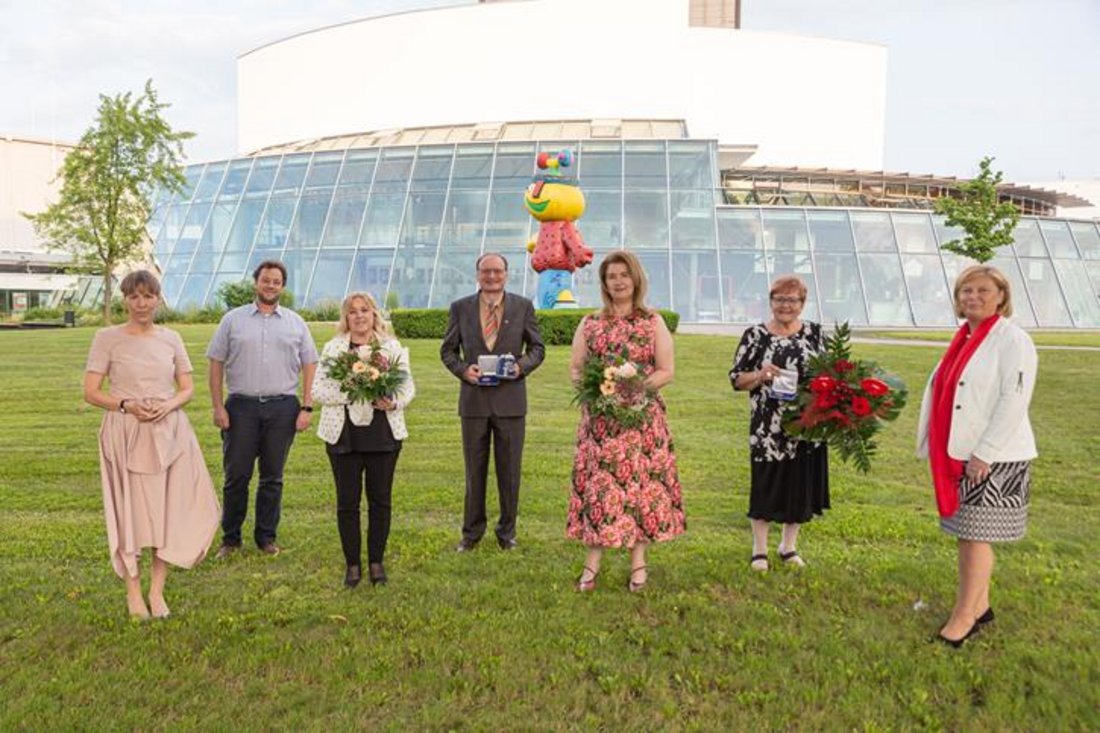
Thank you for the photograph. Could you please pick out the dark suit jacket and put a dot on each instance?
(464, 342)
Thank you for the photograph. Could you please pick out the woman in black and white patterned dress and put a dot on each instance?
(975, 431)
(790, 477)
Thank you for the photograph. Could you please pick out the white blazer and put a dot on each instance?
(326, 391)
(992, 397)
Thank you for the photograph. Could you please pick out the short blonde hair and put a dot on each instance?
(998, 278)
(785, 283)
(637, 275)
(382, 329)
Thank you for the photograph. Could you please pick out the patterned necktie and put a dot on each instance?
(492, 325)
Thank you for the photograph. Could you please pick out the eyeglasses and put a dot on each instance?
(787, 301)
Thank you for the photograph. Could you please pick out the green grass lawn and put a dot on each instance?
(1041, 338)
(500, 641)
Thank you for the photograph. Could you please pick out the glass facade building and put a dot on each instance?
(406, 223)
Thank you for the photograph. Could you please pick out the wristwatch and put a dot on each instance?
(307, 408)
(122, 406)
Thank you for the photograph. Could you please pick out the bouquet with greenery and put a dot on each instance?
(844, 402)
(367, 373)
(614, 390)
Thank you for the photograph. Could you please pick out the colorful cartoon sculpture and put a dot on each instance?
(556, 201)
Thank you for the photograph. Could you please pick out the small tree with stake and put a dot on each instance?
(987, 221)
(107, 182)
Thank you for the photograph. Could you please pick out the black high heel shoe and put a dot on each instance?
(956, 643)
(352, 576)
(379, 577)
(985, 618)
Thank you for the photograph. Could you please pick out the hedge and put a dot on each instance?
(556, 326)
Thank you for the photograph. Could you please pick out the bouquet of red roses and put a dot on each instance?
(614, 389)
(844, 402)
(367, 373)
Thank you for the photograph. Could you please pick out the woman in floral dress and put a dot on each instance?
(790, 477)
(626, 491)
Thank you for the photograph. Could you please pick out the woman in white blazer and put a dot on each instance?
(363, 440)
(974, 429)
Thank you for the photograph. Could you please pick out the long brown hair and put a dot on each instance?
(637, 275)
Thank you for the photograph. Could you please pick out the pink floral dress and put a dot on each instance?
(625, 485)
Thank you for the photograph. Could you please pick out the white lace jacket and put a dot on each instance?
(326, 391)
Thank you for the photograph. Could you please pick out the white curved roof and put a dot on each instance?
(802, 101)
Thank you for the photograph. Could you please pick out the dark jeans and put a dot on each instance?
(263, 430)
(354, 474)
(506, 436)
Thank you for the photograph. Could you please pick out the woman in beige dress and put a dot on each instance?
(157, 492)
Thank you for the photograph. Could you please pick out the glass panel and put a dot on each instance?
(692, 220)
(263, 175)
(1092, 267)
(873, 231)
(416, 251)
(1083, 303)
(1046, 295)
(299, 266)
(393, 172)
(689, 165)
(472, 167)
(695, 290)
(433, 169)
(515, 164)
(656, 268)
(830, 231)
(928, 290)
(371, 274)
(330, 277)
(210, 182)
(271, 235)
(213, 236)
(914, 232)
(646, 214)
(309, 222)
(170, 231)
(345, 219)
(744, 287)
(464, 220)
(191, 295)
(603, 219)
(192, 229)
(645, 165)
(1088, 239)
(455, 276)
(601, 165)
(1059, 240)
(236, 178)
(1028, 242)
(240, 237)
(509, 223)
(291, 174)
(841, 299)
(785, 230)
(383, 220)
(358, 170)
(739, 229)
(944, 233)
(887, 304)
(324, 169)
(191, 176)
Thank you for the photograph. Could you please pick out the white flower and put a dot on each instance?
(627, 371)
(365, 351)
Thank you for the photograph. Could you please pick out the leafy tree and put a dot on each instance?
(107, 181)
(234, 294)
(987, 221)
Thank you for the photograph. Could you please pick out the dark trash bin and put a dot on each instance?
(70, 318)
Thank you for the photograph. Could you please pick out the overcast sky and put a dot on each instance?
(1014, 79)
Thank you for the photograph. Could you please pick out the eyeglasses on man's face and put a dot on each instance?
(786, 300)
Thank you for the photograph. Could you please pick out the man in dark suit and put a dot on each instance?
(491, 322)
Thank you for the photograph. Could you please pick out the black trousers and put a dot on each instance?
(261, 431)
(505, 435)
(356, 474)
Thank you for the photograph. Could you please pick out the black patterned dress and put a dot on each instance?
(790, 477)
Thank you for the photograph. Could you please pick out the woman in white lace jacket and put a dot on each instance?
(362, 447)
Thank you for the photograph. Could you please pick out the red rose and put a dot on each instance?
(824, 400)
(821, 384)
(861, 407)
(843, 365)
(874, 387)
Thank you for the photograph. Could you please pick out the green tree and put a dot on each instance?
(106, 185)
(978, 211)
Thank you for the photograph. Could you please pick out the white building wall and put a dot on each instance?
(804, 101)
(27, 183)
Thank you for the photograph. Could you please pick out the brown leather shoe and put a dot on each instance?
(270, 548)
(226, 550)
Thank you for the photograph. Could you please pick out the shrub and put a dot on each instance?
(325, 311)
(43, 313)
(419, 323)
(556, 326)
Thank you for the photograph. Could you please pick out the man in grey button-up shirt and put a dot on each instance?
(262, 349)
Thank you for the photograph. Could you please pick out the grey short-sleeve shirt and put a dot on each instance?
(263, 354)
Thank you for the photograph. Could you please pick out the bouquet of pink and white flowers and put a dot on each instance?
(367, 373)
(614, 390)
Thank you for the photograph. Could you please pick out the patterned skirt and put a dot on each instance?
(993, 510)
